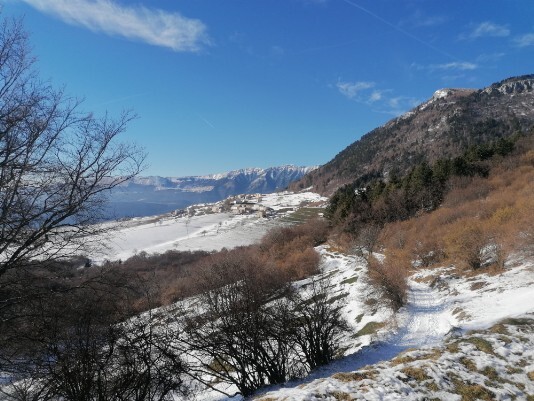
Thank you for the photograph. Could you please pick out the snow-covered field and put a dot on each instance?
(157, 234)
(382, 348)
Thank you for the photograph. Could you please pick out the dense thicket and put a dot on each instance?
(480, 221)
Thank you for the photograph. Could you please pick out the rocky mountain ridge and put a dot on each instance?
(444, 126)
(144, 196)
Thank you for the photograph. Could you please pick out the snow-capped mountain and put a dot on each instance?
(144, 196)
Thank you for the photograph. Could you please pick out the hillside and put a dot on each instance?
(444, 126)
(382, 353)
(145, 196)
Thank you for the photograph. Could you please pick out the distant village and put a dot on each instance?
(249, 204)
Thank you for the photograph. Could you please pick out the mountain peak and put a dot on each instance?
(446, 125)
(511, 86)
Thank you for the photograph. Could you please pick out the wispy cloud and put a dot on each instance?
(381, 100)
(487, 29)
(152, 26)
(491, 57)
(525, 40)
(376, 96)
(456, 65)
(396, 106)
(352, 89)
(421, 20)
(400, 104)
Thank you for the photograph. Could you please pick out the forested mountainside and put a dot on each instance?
(444, 126)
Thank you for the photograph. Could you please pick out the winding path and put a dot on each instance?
(423, 322)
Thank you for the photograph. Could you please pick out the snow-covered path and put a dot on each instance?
(426, 316)
(424, 321)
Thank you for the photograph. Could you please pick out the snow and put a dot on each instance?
(442, 303)
(441, 93)
(209, 232)
(427, 319)
(439, 309)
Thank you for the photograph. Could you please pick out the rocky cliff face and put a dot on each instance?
(444, 126)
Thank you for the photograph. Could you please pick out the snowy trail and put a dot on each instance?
(423, 322)
(427, 317)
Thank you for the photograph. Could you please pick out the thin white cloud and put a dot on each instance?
(525, 40)
(487, 29)
(491, 57)
(351, 89)
(456, 65)
(401, 104)
(152, 26)
(397, 105)
(376, 96)
(381, 100)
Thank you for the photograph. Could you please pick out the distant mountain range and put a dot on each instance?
(444, 126)
(144, 196)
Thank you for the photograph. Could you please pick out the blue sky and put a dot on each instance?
(227, 84)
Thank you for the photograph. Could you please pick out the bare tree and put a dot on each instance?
(90, 350)
(251, 328)
(234, 337)
(317, 324)
(57, 164)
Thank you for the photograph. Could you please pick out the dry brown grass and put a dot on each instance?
(341, 396)
(356, 376)
(469, 364)
(477, 213)
(417, 374)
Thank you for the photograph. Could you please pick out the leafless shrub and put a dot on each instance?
(390, 275)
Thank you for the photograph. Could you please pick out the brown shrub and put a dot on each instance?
(465, 189)
(465, 241)
(291, 250)
(390, 275)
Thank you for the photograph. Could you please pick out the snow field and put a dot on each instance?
(496, 364)
(209, 232)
